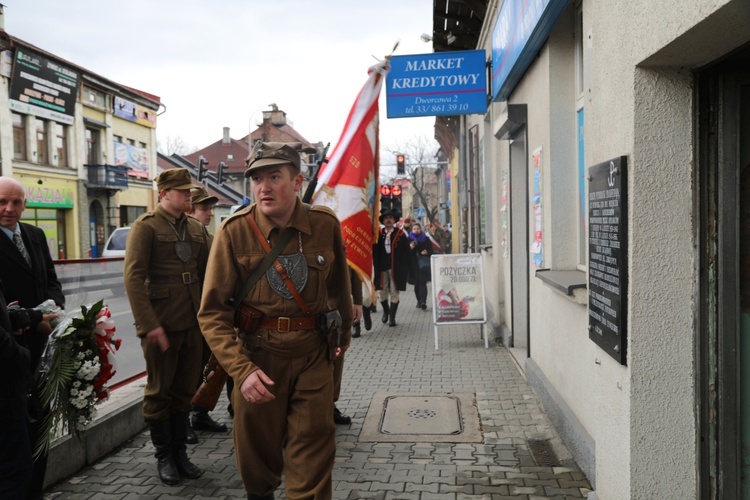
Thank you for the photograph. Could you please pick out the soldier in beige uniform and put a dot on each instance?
(202, 206)
(281, 365)
(164, 266)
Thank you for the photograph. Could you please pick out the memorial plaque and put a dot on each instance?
(608, 252)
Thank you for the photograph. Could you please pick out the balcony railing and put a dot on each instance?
(107, 176)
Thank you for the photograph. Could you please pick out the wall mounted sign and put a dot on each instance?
(42, 87)
(521, 28)
(608, 254)
(442, 83)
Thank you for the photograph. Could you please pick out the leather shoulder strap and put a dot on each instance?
(270, 257)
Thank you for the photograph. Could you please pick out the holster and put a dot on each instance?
(247, 318)
(330, 325)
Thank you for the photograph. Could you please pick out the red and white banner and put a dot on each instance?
(348, 182)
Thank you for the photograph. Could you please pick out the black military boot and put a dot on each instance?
(192, 437)
(367, 317)
(394, 308)
(250, 496)
(200, 420)
(165, 464)
(179, 425)
(356, 330)
(385, 311)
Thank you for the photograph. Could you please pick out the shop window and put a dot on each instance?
(41, 141)
(92, 144)
(19, 136)
(61, 144)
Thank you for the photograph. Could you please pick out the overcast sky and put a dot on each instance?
(220, 63)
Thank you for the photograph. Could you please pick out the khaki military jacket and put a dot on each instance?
(155, 278)
(235, 253)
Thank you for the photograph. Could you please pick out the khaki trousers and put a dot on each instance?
(172, 375)
(302, 413)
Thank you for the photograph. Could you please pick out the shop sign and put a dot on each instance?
(521, 28)
(442, 83)
(49, 195)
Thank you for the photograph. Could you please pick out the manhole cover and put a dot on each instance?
(422, 415)
(422, 418)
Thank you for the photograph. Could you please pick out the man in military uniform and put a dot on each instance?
(280, 358)
(164, 266)
(202, 206)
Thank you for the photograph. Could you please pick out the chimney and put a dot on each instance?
(226, 139)
(2, 17)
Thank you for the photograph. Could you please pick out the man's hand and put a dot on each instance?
(356, 313)
(45, 327)
(158, 336)
(254, 389)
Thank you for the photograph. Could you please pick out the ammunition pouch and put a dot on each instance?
(247, 318)
(330, 325)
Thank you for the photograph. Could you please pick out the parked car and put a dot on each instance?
(115, 246)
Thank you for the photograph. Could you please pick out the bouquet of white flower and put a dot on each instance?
(74, 370)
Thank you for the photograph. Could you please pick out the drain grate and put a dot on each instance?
(543, 454)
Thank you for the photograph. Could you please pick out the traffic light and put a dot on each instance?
(385, 197)
(400, 164)
(202, 169)
(396, 199)
(220, 174)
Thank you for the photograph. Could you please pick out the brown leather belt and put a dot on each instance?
(284, 324)
(184, 278)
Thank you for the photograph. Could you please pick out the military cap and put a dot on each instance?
(266, 154)
(200, 195)
(175, 178)
(387, 212)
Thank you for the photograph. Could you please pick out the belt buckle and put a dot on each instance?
(186, 278)
(280, 321)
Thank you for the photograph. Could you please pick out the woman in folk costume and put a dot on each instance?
(393, 262)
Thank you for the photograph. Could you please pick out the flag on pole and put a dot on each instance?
(347, 183)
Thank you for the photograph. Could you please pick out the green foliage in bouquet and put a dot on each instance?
(73, 372)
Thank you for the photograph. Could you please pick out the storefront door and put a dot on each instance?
(723, 112)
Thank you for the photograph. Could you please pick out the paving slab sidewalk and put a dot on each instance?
(397, 360)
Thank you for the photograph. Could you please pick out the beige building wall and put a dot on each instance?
(630, 426)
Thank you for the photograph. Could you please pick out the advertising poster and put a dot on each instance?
(537, 257)
(43, 87)
(457, 288)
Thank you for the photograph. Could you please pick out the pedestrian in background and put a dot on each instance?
(27, 270)
(281, 358)
(202, 206)
(164, 267)
(422, 248)
(393, 263)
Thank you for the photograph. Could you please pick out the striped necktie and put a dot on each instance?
(21, 248)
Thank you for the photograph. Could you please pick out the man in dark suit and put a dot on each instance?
(27, 271)
(16, 465)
